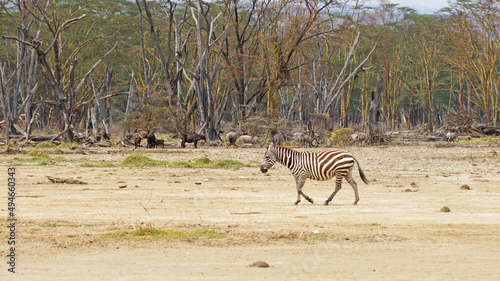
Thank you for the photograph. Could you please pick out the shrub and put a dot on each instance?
(341, 137)
(45, 144)
(141, 161)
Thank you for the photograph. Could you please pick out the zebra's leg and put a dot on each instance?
(351, 181)
(338, 186)
(300, 183)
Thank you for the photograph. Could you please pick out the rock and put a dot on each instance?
(445, 209)
(259, 264)
(465, 187)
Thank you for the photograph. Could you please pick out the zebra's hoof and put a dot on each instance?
(326, 203)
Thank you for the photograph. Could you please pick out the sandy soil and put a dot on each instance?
(396, 232)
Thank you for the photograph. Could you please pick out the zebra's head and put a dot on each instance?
(269, 159)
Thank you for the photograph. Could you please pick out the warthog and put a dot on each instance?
(451, 137)
(359, 137)
(137, 140)
(192, 138)
(160, 142)
(231, 137)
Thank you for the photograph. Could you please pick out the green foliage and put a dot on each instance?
(486, 140)
(42, 158)
(36, 157)
(425, 60)
(138, 160)
(205, 163)
(153, 233)
(45, 144)
(341, 137)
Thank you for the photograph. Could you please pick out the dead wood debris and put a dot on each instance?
(61, 180)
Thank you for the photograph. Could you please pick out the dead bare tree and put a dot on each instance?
(64, 92)
(334, 94)
(18, 81)
(240, 52)
(205, 75)
(374, 128)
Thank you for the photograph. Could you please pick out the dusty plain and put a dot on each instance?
(396, 232)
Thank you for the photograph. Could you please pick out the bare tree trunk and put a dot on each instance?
(204, 79)
(164, 62)
(131, 91)
(374, 128)
(99, 108)
(93, 120)
(336, 90)
(4, 102)
(105, 114)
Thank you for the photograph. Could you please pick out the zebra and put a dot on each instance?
(318, 165)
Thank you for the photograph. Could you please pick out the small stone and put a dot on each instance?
(445, 209)
(465, 187)
(262, 264)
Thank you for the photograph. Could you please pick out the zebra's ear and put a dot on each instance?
(270, 146)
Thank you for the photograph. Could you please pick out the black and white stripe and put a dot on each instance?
(316, 165)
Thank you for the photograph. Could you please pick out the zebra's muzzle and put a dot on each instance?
(263, 169)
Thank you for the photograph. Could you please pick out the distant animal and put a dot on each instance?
(278, 139)
(192, 138)
(137, 141)
(247, 139)
(299, 138)
(106, 136)
(308, 140)
(151, 139)
(160, 142)
(359, 137)
(451, 137)
(491, 131)
(316, 165)
(231, 137)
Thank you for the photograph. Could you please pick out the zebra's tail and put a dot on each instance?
(361, 174)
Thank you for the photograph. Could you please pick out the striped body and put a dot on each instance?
(316, 165)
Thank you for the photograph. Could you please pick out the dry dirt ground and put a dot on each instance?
(396, 232)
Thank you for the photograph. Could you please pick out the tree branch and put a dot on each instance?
(93, 67)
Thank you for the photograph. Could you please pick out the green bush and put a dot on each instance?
(137, 160)
(45, 144)
(158, 233)
(341, 137)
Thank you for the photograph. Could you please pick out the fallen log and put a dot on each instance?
(33, 138)
(61, 180)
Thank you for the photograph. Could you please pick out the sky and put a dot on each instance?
(436, 4)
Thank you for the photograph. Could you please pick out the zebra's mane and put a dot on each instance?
(285, 148)
(284, 151)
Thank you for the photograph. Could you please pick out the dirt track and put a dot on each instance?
(396, 232)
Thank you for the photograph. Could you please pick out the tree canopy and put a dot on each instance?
(193, 65)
